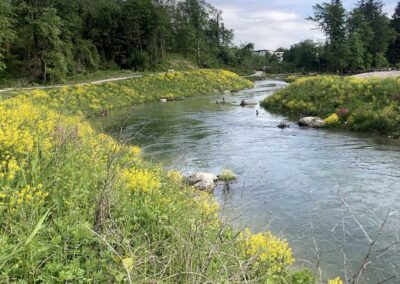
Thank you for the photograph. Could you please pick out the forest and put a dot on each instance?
(362, 39)
(48, 40)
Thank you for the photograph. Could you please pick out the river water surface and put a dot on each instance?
(326, 192)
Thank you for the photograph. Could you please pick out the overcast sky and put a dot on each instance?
(275, 23)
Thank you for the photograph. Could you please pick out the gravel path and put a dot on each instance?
(380, 74)
(85, 83)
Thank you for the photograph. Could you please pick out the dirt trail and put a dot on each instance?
(78, 84)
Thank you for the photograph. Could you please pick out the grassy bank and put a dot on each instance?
(367, 105)
(77, 206)
(92, 99)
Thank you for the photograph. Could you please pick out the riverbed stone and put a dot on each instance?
(312, 121)
(202, 181)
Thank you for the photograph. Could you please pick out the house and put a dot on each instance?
(263, 52)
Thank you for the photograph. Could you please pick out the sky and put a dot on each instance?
(276, 23)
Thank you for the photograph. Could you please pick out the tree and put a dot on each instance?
(360, 36)
(305, 55)
(6, 33)
(357, 51)
(382, 34)
(394, 48)
(331, 18)
(38, 40)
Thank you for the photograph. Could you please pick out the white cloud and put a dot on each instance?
(274, 23)
(268, 29)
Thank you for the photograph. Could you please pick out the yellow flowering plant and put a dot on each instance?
(266, 250)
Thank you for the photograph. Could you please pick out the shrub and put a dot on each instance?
(227, 176)
(333, 119)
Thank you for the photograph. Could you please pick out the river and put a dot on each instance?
(326, 192)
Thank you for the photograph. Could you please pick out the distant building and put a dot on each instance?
(279, 55)
(263, 52)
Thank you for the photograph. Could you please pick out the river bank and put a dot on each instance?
(357, 104)
(95, 99)
(77, 205)
(289, 181)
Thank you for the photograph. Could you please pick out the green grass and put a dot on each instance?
(365, 105)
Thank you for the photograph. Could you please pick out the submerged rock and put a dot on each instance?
(283, 125)
(202, 181)
(312, 121)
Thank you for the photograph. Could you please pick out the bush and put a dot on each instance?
(332, 120)
(227, 176)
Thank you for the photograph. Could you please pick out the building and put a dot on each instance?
(263, 52)
(279, 55)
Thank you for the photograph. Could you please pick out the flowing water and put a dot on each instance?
(326, 192)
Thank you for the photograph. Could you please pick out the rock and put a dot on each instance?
(283, 125)
(312, 121)
(202, 181)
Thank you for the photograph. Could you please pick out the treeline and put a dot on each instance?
(361, 39)
(47, 40)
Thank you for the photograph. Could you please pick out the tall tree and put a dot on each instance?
(394, 48)
(6, 32)
(331, 18)
(38, 41)
(360, 37)
(382, 34)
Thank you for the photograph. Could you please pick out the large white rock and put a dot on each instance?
(202, 181)
(312, 121)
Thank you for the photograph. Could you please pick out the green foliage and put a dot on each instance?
(358, 104)
(57, 39)
(6, 32)
(302, 277)
(355, 40)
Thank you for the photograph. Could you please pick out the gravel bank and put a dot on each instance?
(380, 74)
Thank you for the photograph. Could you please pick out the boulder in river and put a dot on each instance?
(312, 121)
(202, 181)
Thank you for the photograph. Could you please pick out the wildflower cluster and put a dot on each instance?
(267, 249)
(28, 195)
(337, 280)
(141, 180)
